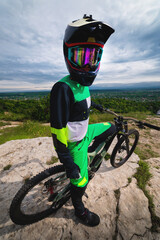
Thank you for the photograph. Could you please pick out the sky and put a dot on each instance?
(31, 41)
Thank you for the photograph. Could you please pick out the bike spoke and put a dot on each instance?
(37, 198)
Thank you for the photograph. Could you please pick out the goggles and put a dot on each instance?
(81, 56)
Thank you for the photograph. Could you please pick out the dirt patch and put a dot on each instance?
(150, 138)
(8, 124)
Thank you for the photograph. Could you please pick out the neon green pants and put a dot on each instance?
(79, 152)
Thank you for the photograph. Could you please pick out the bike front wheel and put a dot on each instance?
(40, 196)
(124, 148)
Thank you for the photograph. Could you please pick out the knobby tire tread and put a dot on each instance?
(15, 212)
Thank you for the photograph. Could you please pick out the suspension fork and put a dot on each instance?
(109, 141)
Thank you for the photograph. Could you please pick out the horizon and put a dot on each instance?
(91, 89)
(121, 86)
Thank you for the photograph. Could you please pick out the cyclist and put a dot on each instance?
(70, 103)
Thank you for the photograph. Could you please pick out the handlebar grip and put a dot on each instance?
(151, 126)
(97, 106)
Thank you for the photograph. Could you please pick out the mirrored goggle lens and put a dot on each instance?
(81, 56)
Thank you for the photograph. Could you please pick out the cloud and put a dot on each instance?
(31, 40)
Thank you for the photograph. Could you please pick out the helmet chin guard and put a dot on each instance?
(84, 78)
(83, 46)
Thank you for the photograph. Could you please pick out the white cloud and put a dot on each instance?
(31, 39)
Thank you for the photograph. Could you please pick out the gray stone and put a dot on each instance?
(134, 216)
(123, 217)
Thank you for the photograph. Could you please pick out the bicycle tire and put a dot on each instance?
(121, 147)
(16, 211)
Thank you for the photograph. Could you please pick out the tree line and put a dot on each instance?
(122, 105)
(39, 110)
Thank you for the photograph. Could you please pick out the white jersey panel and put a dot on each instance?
(88, 100)
(77, 130)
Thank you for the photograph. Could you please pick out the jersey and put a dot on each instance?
(69, 110)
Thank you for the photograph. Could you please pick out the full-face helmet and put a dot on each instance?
(83, 47)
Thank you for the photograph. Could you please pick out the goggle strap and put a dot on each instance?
(83, 43)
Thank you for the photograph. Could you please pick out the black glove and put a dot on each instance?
(73, 173)
(72, 169)
(97, 106)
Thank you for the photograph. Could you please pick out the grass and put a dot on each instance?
(117, 193)
(96, 117)
(28, 130)
(9, 116)
(129, 180)
(4, 123)
(7, 167)
(138, 115)
(145, 152)
(52, 161)
(107, 157)
(157, 167)
(100, 117)
(143, 176)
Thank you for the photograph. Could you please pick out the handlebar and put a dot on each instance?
(139, 123)
(151, 126)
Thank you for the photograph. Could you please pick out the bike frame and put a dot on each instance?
(101, 150)
(62, 187)
(121, 124)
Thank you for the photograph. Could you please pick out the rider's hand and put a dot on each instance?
(97, 106)
(73, 173)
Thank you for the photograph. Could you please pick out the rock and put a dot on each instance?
(121, 205)
(134, 217)
(154, 184)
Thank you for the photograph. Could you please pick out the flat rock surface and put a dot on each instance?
(112, 193)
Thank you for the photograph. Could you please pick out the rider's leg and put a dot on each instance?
(79, 150)
(101, 137)
(78, 186)
(76, 195)
(79, 154)
(87, 217)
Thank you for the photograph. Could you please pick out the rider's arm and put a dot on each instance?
(61, 100)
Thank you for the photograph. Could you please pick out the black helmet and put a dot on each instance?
(83, 46)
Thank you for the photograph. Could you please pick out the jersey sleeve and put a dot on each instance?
(61, 101)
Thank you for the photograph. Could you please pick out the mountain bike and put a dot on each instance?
(33, 201)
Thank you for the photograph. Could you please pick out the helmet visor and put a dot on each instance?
(82, 56)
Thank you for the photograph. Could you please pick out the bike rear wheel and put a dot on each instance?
(124, 148)
(31, 203)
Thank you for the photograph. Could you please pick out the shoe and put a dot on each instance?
(89, 218)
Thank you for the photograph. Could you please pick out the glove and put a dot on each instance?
(97, 106)
(72, 169)
(73, 173)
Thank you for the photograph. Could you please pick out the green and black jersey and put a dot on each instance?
(69, 107)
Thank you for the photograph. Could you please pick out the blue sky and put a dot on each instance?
(31, 40)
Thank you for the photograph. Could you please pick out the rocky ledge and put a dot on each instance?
(112, 193)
